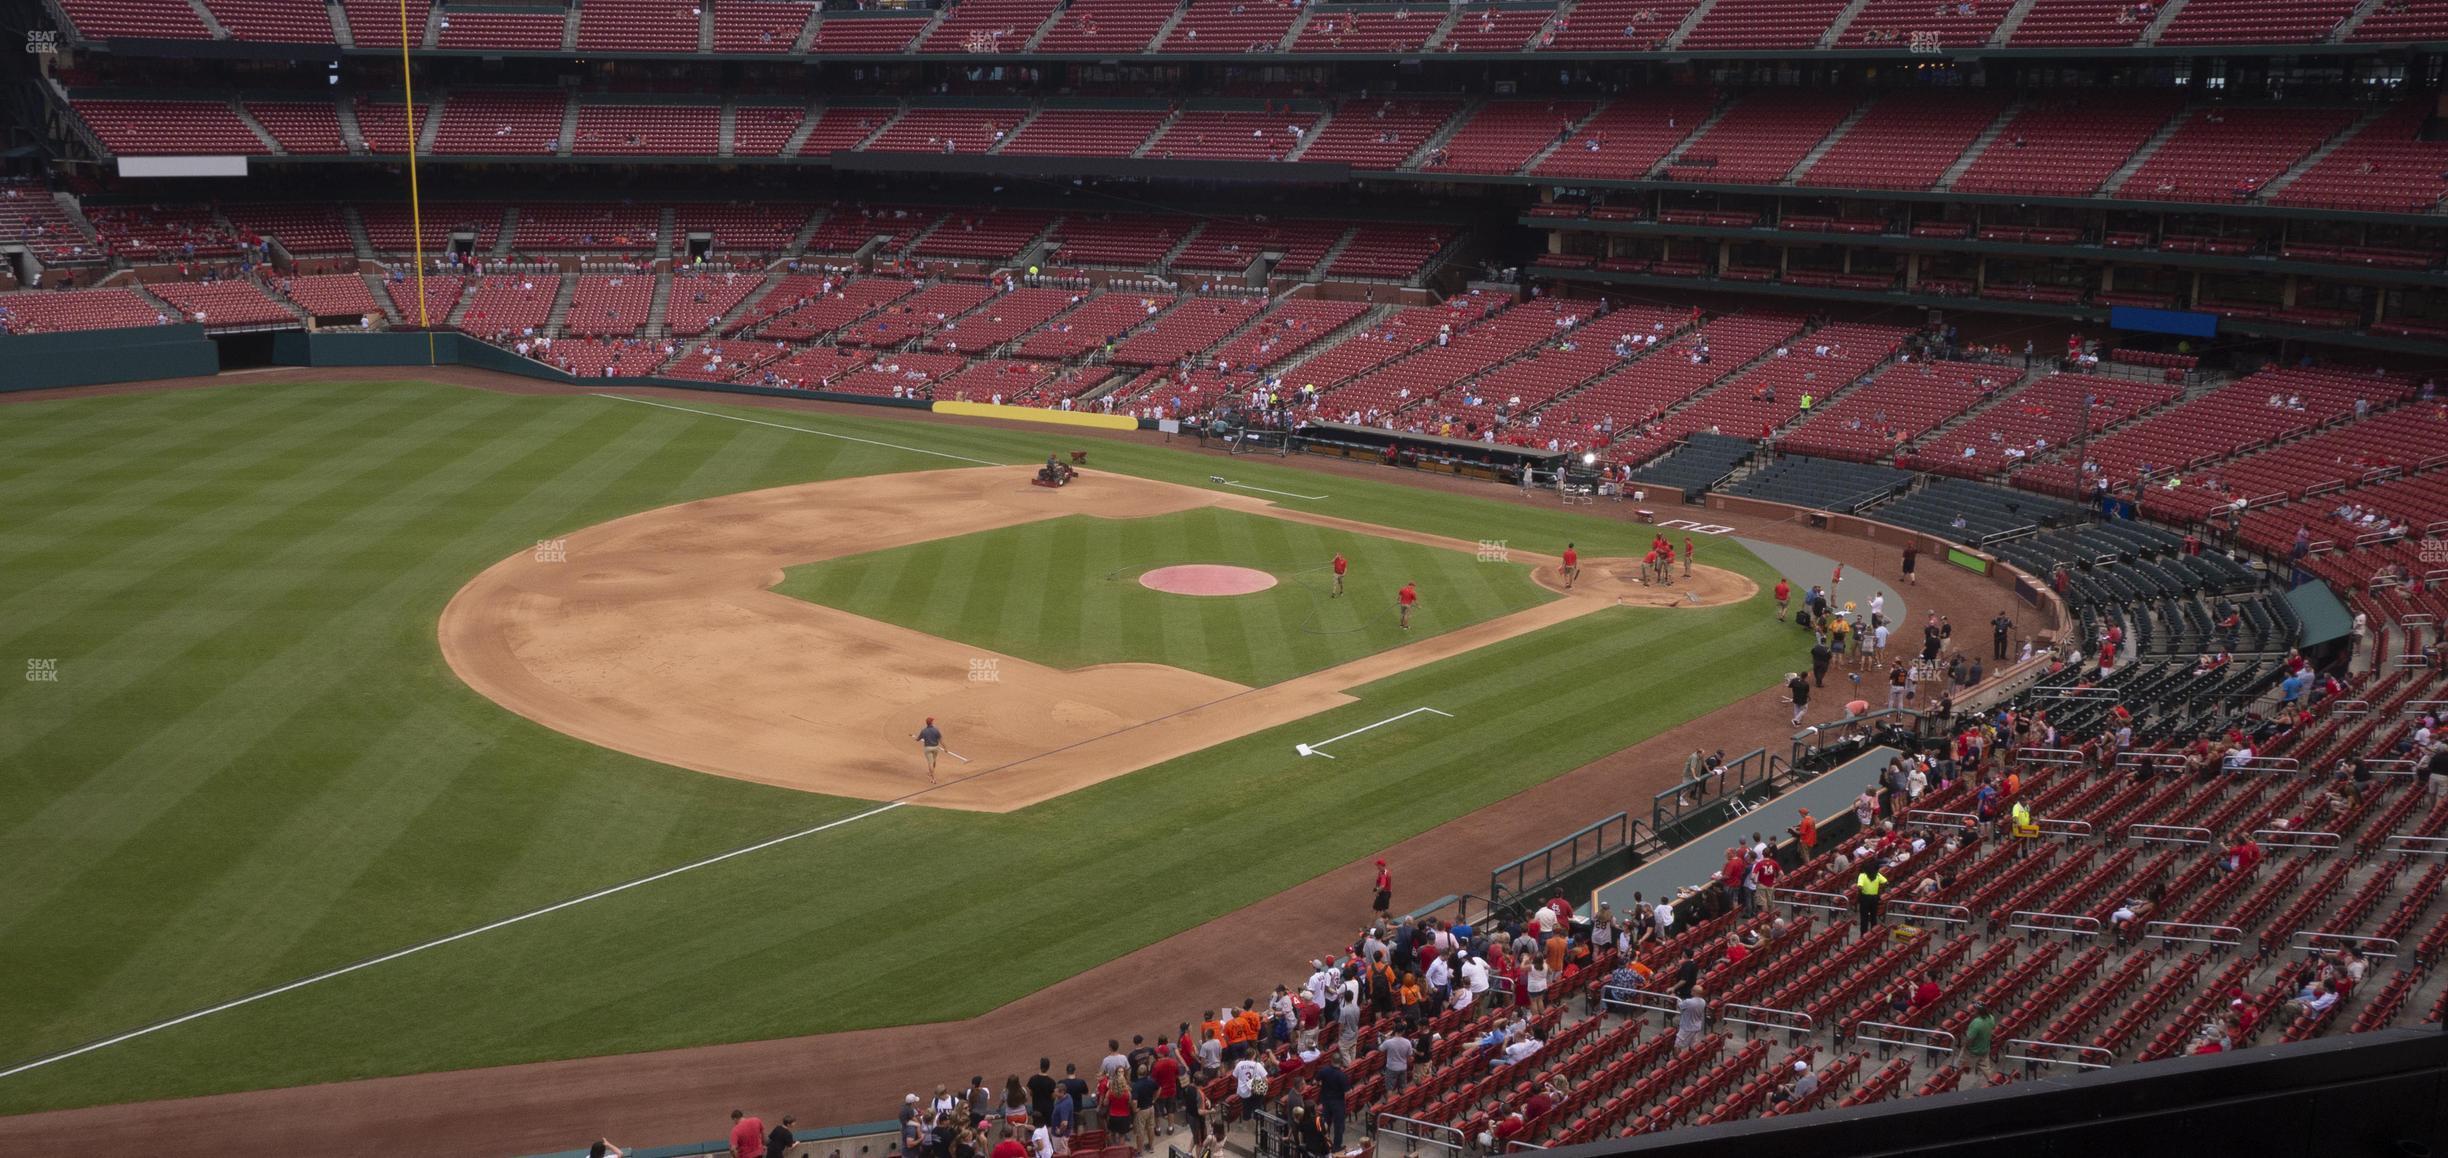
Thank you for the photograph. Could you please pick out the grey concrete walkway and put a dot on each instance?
(1801, 568)
(1698, 860)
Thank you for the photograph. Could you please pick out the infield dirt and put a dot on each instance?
(658, 635)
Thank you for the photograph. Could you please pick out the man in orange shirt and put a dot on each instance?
(1806, 834)
(1404, 599)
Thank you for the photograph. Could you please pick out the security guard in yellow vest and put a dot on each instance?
(1870, 884)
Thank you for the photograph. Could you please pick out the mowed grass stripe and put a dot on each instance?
(241, 419)
(41, 437)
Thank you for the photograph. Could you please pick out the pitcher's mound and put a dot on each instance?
(1206, 579)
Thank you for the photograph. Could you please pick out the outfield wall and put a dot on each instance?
(98, 357)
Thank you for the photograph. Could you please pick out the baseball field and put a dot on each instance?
(425, 716)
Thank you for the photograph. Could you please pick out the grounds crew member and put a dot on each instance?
(930, 741)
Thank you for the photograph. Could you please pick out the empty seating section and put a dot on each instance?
(376, 23)
(698, 299)
(149, 19)
(841, 127)
(1187, 329)
(1368, 30)
(150, 234)
(222, 303)
(1905, 401)
(1906, 140)
(847, 227)
(852, 34)
(2404, 20)
(1466, 351)
(586, 227)
(1378, 134)
(638, 26)
(301, 127)
(1006, 317)
(1286, 328)
(1826, 484)
(2358, 451)
(1136, 241)
(282, 21)
(2083, 23)
(2255, 21)
(996, 380)
(2383, 166)
(748, 227)
(1093, 323)
(922, 313)
(1231, 245)
(388, 227)
(1231, 26)
(1761, 138)
(997, 234)
(2066, 148)
(824, 313)
(1617, 413)
(332, 295)
(442, 294)
(1732, 24)
(533, 31)
(648, 129)
(1381, 340)
(307, 231)
(1106, 25)
(501, 122)
(1220, 135)
(49, 311)
(185, 128)
(609, 305)
(979, 26)
(763, 130)
(1618, 25)
(1502, 136)
(2350, 552)
(1084, 133)
(384, 124)
(897, 375)
(510, 303)
(603, 357)
(1388, 251)
(1965, 23)
(2226, 153)
(947, 131)
(1493, 29)
(759, 25)
(722, 359)
(1818, 365)
(2030, 421)
(1628, 138)
(2234, 417)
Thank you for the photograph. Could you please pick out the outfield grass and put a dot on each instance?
(1065, 592)
(254, 765)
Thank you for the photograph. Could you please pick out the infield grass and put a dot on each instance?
(254, 766)
(1066, 592)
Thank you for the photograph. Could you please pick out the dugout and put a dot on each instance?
(1430, 452)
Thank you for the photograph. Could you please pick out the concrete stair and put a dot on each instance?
(1164, 32)
(1844, 20)
(1674, 156)
(569, 30)
(503, 244)
(705, 27)
(1538, 158)
(663, 237)
(210, 24)
(1330, 339)
(569, 126)
(2014, 19)
(1691, 20)
(433, 27)
(807, 125)
(1829, 142)
(1167, 124)
(1444, 133)
(1332, 252)
(660, 305)
(730, 127)
(2327, 147)
(1315, 131)
(2141, 156)
(1980, 144)
(342, 34)
(562, 296)
(357, 234)
(239, 107)
(1014, 134)
(807, 32)
(2167, 16)
(807, 229)
(731, 317)
(350, 134)
(881, 125)
(429, 122)
(1445, 27)
(2347, 26)
(382, 297)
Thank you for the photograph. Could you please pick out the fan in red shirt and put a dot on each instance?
(747, 1135)
(1572, 565)
(1340, 564)
(1403, 601)
(1784, 596)
(1010, 1147)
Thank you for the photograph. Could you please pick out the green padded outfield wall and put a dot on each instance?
(95, 357)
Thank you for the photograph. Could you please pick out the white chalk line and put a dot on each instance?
(1269, 490)
(1312, 749)
(782, 426)
(438, 942)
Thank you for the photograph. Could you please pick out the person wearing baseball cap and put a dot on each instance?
(1384, 900)
(930, 741)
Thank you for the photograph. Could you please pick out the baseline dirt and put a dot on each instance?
(659, 636)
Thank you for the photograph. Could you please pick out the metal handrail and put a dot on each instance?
(1797, 1021)
(2408, 844)
(1930, 911)
(1910, 1036)
(1614, 833)
(2080, 1051)
(2291, 838)
(1629, 997)
(2307, 939)
(2070, 924)
(2158, 931)
(1795, 897)
(2169, 834)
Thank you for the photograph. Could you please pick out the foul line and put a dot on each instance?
(799, 429)
(1220, 480)
(1314, 749)
(438, 942)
